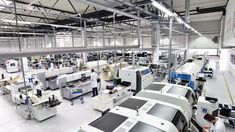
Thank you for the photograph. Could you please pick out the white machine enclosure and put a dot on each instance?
(139, 77)
(97, 65)
(105, 101)
(170, 93)
(153, 109)
(48, 78)
(160, 122)
(81, 80)
(153, 106)
(131, 123)
(190, 69)
(204, 107)
(16, 88)
(12, 66)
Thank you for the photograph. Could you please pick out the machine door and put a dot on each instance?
(155, 87)
(108, 122)
(142, 127)
(182, 92)
(133, 103)
(170, 114)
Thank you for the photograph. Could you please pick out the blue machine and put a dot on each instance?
(188, 79)
(187, 74)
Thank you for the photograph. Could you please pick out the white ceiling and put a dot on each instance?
(178, 5)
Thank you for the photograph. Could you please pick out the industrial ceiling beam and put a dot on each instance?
(114, 10)
(137, 8)
(27, 15)
(46, 7)
(204, 10)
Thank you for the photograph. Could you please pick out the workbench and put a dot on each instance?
(40, 109)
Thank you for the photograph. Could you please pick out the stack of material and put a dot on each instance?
(109, 72)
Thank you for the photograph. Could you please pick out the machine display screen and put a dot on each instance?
(12, 64)
(145, 72)
(83, 75)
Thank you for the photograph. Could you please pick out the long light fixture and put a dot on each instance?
(12, 21)
(178, 19)
(162, 8)
(36, 23)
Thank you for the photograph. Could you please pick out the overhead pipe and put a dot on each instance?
(48, 51)
(89, 2)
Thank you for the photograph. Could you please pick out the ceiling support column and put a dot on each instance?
(84, 41)
(170, 49)
(155, 38)
(187, 20)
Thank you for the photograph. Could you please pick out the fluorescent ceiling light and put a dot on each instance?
(180, 20)
(162, 8)
(175, 14)
(13, 21)
(188, 26)
(169, 13)
(35, 23)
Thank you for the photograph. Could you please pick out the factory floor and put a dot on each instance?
(68, 119)
(221, 87)
(71, 117)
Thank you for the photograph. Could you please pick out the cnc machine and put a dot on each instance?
(48, 77)
(139, 77)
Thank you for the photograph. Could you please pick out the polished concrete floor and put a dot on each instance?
(222, 86)
(70, 118)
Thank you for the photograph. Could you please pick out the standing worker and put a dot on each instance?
(217, 124)
(94, 83)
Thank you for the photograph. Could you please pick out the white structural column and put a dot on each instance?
(139, 33)
(84, 41)
(187, 20)
(72, 35)
(155, 41)
(25, 42)
(170, 48)
(45, 41)
(55, 44)
(103, 35)
(20, 48)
